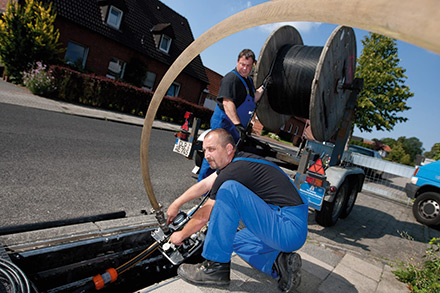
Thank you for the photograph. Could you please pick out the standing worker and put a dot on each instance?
(236, 102)
(257, 192)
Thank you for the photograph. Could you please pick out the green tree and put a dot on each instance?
(434, 153)
(384, 94)
(389, 141)
(404, 150)
(27, 35)
(399, 155)
(412, 146)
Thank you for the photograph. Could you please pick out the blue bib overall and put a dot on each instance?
(270, 229)
(219, 119)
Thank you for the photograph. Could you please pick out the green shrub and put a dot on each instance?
(39, 80)
(362, 144)
(265, 131)
(423, 277)
(105, 93)
(273, 136)
(27, 35)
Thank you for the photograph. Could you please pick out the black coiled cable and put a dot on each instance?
(12, 279)
(292, 77)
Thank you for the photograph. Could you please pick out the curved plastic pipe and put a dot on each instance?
(415, 22)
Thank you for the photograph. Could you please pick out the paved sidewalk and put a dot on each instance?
(12, 94)
(325, 268)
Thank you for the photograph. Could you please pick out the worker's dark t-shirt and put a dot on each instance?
(266, 181)
(232, 87)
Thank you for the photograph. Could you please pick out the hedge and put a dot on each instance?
(97, 91)
(362, 144)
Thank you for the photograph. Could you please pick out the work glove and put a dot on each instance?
(241, 131)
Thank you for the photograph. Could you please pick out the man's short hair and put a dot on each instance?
(224, 136)
(248, 53)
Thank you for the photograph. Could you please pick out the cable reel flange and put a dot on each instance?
(336, 68)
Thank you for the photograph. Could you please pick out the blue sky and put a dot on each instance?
(422, 66)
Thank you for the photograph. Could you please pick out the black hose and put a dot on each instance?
(12, 278)
(140, 257)
(87, 287)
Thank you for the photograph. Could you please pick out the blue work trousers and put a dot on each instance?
(269, 229)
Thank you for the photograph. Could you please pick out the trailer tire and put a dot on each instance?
(350, 199)
(331, 211)
(426, 208)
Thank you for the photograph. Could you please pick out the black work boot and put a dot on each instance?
(288, 267)
(206, 273)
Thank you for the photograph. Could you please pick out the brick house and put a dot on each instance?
(107, 37)
(295, 129)
(209, 96)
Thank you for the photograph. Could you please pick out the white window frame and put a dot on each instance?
(150, 78)
(119, 62)
(176, 85)
(165, 47)
(84, 57)
(119, 17)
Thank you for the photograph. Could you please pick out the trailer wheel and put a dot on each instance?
(350, 200)
(331, 211)
(426, 208)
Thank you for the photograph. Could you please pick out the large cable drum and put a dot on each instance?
(307, 82)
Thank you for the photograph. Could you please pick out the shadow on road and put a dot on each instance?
(366, 224)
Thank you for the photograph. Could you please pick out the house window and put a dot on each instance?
(296, 130)
(149, 80)
(116, 69)
(165, 43)
(114, 17)
(174, 89)
(76, 54)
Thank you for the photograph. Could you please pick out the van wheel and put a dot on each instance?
(350, 200)
(426, 208)
(331, 211)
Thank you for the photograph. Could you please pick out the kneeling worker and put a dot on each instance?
(248, 188)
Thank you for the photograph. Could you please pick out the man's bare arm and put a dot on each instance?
(231, 110)
(195, 191)
(259, 94)
(198, 220)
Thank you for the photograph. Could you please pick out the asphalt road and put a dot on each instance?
(55, 166)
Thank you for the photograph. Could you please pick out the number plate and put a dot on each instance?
(182, 147)
(314, 193)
